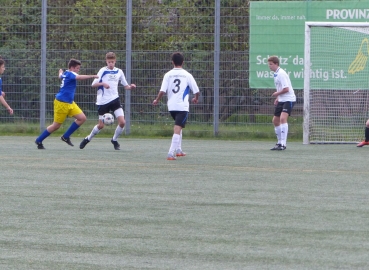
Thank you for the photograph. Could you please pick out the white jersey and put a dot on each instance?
(281, 81)
(177, 83)
(111, 77)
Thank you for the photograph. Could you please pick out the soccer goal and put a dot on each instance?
(336, 82)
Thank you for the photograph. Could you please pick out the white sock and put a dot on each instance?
(117, 132)
(180, 141)
(284, 133)
(278, 133)
(174, 144)
(94, 132)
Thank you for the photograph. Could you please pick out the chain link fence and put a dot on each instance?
(87, 30)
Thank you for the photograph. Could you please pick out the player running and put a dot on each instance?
(108, 98)
(64, 104)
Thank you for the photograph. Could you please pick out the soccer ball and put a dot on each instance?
(108, 119)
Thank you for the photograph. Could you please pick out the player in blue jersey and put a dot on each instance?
(108, 98)
(64, 104)
(2, 94)
(177, 84)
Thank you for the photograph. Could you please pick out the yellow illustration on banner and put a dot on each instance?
(360, 60)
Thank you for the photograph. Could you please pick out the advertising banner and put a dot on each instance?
(278, 28)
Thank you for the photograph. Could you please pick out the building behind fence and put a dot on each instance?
(158, 28)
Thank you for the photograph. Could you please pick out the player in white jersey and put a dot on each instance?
(284, 102)
(2, 94)
(108, 98)
(177, 84)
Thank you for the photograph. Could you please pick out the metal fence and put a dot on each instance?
(155, 29)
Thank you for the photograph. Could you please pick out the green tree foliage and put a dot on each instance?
(87, 29)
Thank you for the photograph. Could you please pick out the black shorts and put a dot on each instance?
(284, 107)
(109, 107)
(180, 118)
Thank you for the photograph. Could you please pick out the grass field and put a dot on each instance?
(227, 131)
(226, 205)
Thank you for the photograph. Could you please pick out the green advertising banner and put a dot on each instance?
(278, 28)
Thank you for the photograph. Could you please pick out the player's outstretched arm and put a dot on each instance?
(86, 77)
(5, 104)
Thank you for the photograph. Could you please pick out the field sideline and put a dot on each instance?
(226, 205)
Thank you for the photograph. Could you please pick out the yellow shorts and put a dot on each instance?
(63, 109)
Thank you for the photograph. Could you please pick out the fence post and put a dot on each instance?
(43, 65)
(127, 103)
(216, 67)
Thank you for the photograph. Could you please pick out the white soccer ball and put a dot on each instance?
(108, 119)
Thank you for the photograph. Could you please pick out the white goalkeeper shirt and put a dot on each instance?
(111, 77)
(177, 84)
(281, 81)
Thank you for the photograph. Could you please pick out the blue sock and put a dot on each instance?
(43, 136)
(73, 127)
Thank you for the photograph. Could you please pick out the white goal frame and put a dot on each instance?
(307, 64)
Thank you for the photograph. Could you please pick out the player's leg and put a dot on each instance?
(102, 109)
(277, 124)
(46, 133)
(180, 119)
(175, 141)
(179, 152)
(80, 117)
(286, 112)
(366, 141)
(119, 115)
(95, 130)
(53, 127)
(284, 128)
(60, 113)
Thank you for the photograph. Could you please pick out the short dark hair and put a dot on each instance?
(110, 55)
(177, 59)
(274, 59)
(2, 62)
(74, 63)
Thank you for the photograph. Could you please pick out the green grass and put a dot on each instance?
(164, 129)
(226, 205)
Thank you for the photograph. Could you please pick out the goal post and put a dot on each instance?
(336, 82)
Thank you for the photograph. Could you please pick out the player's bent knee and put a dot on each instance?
(81, 118)
(53, 127)
(122, 123)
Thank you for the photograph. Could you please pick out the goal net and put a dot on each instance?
(336, 82)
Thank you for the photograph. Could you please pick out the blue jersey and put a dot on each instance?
(67, 87)
(1, 86)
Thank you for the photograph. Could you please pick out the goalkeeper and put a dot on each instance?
(284, 102)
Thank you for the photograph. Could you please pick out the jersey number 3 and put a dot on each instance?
(177, 82)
